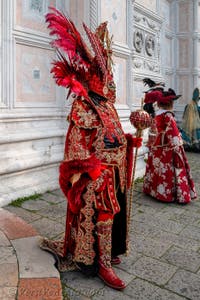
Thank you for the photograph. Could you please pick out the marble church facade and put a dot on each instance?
(152, 38)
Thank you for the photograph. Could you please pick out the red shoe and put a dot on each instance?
(115, 260)
(110, 278)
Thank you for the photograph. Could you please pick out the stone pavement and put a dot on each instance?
(164, 262)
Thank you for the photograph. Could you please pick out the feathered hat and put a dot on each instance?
(161, 96)
(79, 68)
(153, 86)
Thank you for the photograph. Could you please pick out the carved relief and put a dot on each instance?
(150, 44)
(152, 66)
(138, 63)
(138, 40)
(144, 20)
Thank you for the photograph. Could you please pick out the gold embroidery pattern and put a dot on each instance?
(104, 233)
(83, 116)
(84, 251)
(76, 149)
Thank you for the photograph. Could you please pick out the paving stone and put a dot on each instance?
(140, 289)
(14, 227)
(48, 228)
(191, 232)
(178, 240)
(124, 275)
(8, 293)
(162, 294)
(152, 270)
(143, 209)
(33, 261)
(26, 215)
(161, 223)
(171, 213)
(86, 286)
(150, 247)
(126, 261)
(7, 255)
(3, 239)
(58, 192)
(70, 294)
(187, 218)
(189, 260)
(40, 289)
(53, 211)
(53, 198)
(185, 283)
(110, 294)
(34, 205)
(142, 229)
(149, 201)
(8, 274)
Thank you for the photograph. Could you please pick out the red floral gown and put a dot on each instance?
(168, 176)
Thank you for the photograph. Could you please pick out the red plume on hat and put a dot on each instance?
(78, 68)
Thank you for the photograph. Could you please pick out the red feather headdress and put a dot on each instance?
(77, 68)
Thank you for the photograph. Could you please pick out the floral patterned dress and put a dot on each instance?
(168, 176)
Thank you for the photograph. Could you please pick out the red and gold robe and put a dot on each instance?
(101, 155)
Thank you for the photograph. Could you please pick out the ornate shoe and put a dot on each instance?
(110, 278)
(115, 260)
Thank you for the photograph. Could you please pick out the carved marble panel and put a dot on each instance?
(34, 82)
(30, 13)
(168, 52)
(184, 15)
(114, 11)
(184, 52)
(120, 72)
(184, 90)
(77, 15)
(165, 13)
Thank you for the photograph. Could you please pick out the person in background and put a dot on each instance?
(149, 106)
(190, 128)
(98, 157)
(168, 176)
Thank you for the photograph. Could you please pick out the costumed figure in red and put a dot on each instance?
(168, 176)
(98, 159)
(149, 106)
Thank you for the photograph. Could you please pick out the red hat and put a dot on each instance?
(168, 96)
(161, 96)
(152, 96)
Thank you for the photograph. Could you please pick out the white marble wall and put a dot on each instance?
(32, 114)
